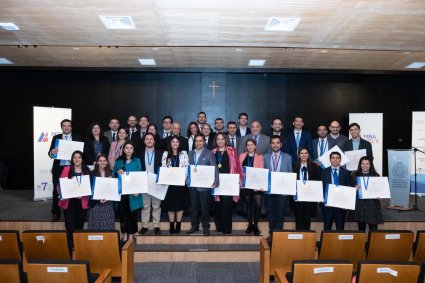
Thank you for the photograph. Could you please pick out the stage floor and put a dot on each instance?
(18, 205)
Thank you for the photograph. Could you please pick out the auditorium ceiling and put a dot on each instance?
(367, 35)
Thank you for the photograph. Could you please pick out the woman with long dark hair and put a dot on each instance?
(115, 150)
(175, 199)
(192, 131)
(95, 144)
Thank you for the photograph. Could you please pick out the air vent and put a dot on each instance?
(282, 24)
(117, 22)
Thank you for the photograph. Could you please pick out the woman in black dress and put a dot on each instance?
(175, 199)
(368, 211)
(95, 144)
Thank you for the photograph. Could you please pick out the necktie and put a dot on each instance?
(275, 162)
(114, 137)
(256, 139)
(297, 140)
(304, 173)
(322, 149)
(335, 176)
(233, 142)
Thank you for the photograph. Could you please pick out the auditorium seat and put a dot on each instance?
(64, 271)
(393, 245)
(102, 250)
(10, 246)
(317, 271)
(43, 244)
(287, 246)
(343, 245)
(419, 247)
(11, 271)
(387, 272)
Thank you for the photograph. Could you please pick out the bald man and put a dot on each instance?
(175, 131)
(335, 136)
(263, 141)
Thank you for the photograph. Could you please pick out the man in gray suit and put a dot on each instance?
(234, 140)
(263, 141)
(322, 143)
(277, 161)
(200, 197)
(112, 134)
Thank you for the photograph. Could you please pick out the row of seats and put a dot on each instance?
(101, 249)
(340, 271)
(288, 246)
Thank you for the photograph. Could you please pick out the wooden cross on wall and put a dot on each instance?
(213, 86)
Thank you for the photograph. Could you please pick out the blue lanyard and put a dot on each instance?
(76, 177)
(174, 161)
(127, 171)
(366, 184)
(219, 157)
(250, 161)
(118, 149)
(277, 163)
(150, 158)
(197, 159)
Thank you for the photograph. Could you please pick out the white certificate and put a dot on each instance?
(282, 183)
(325, 158)
(106, 188)
(354, 157)
(256, 178)
(373, 187)
(341, 197)
(175, 176)
(66, 149)
(201, 176)
(310, 191)
(133, 183)
(155, 190)
(229, 185)
(75, 187)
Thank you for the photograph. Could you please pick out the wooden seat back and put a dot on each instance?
(419, 247)
(11, 271)
(387, 272)
(44, 244)
(343, 245)
(9, 245)
(322, 271)
(390, 245)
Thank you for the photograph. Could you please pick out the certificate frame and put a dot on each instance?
(256, 178)
(156, 190)
(229, 185)
(103, 189)
(340, 197)
(66, 148)
(310, 191)
(173, 176)
(282, 183)
(325, 158)
(354, 158)
(377, 188)
(72, 188)
(201, 176)
(135, 182)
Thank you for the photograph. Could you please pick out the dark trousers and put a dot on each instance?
(304, 211)
(276, 205)
(199, 200)
(223, 214)
(128, 218)
(253, 201)
(331, 214)
(362, 226)
(75, 216)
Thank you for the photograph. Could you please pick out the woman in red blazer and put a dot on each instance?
(253, 198)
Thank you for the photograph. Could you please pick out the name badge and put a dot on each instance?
(1, 239)
(392, 236)
(95, 237)
(323, 270)
(345, 237)
(40, 238)
(295, 236)
(387, 270)
(57, 269)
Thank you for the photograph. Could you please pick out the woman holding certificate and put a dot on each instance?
(253, 198)
(74, 209)
(227, 163)
(129, 204)
(95, 144)
(116, 147)
(306, 170)
(175, 199)
(101, 212)
(368, 211)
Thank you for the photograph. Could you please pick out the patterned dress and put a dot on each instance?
(175, 199)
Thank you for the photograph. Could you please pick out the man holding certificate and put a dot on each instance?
(200, 197)
(356, 142)
(338, 176)
(58, 165)
(277, 161)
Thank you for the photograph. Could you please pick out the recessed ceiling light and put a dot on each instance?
(238, 49)
(324, 51)
(415, 65)
(9, 26)
(147, 62)
(155, 48)
(256, 62)
(117, 22)
(282, 24)
(5, 61)
(75, 48)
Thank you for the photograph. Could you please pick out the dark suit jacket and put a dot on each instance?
(156, 161)
(263, 145)
(89, 154)
(161, 134)
(237, 143)
(312, 170)
(183, 142)
(56, 168)
(364, 144)
(290, 145)
(108, 134)
(314, 145)
(210, 144)
(238, 132)
(343, 178)
(207, 158)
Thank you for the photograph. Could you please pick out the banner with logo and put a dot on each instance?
(371, 129)
(399, 162)
(46, 125)
(418, 141)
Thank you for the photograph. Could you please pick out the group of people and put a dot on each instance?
(140, 146)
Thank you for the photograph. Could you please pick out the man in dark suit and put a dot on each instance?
(277, 128)
(322, 144)
(208, 136)
(243, 129)
(356, 142)
(167, 121)
(200, 197)
(262, 141)
(58, 165)
(175, 131)
(339, 176)
(132, 126)
(112, 134)
(150, 160)
(201, 119)
(233, 138)
(218, 126)
(296, 139)
(138, 137)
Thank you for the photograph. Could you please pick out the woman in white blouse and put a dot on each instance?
(175, 200)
